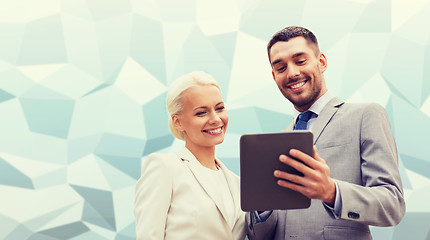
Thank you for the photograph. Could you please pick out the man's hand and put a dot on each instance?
(316, 182)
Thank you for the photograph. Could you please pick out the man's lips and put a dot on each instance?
(297, 85)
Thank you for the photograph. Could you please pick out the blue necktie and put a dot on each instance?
(302, 120)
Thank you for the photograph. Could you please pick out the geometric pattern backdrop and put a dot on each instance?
(83, 86)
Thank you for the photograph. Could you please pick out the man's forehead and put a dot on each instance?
(294, 47)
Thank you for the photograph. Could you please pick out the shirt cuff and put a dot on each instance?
(259, 218)
(337, 208)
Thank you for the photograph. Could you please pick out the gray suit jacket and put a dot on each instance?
(357, 143)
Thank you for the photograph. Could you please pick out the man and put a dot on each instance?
(353, 178)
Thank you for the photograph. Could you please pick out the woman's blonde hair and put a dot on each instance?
(175, 95)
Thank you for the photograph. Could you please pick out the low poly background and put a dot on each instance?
(83, 86)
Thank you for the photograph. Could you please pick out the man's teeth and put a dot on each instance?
(218, 130)
(298, 85)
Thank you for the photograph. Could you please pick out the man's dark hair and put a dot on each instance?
(291, 32)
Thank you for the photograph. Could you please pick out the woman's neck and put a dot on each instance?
(205, 155)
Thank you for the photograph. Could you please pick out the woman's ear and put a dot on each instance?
(177, 122)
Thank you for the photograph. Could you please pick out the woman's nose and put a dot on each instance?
(214, 118)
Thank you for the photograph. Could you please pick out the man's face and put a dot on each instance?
(298, 71)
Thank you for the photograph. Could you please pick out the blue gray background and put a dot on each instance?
(83, 84)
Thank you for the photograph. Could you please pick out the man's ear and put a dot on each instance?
(177, 123)
(323, 62)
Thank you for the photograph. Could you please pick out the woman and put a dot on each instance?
(190, 194)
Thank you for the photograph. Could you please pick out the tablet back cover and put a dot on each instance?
(259, 158)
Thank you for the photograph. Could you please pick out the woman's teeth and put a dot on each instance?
(213, 131)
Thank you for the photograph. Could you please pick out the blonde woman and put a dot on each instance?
(190, 194)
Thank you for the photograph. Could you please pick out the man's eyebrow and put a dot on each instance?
(294, 56)
(276, 62)
(298, 54)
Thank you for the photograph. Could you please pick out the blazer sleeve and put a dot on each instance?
(152, 197)
(380, 200)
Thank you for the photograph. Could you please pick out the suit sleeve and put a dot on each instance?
(152, 198)
(261, 230)
(379, 201)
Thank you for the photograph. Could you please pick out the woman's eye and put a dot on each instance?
(200, 113)
(220, 108)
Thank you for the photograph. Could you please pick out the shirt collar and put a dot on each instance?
(318, 105)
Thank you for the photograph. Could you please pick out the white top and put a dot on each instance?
(220, 187)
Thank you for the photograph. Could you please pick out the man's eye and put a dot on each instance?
(301, 62)
(281, 69)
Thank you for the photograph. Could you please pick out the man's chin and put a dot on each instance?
(301, 103)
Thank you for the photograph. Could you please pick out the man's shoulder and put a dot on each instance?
(355, 106)
(369, 111)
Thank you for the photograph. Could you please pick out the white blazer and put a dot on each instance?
(174, 200)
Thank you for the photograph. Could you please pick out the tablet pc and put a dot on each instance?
(259, 158)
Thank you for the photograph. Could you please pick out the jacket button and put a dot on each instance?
(353, 215)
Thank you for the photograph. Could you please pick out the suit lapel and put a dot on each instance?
(323, 119)
(325, 116)
(196, 168)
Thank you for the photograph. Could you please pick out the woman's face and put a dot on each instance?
(203, 118)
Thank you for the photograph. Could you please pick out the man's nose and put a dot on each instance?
(293, 71)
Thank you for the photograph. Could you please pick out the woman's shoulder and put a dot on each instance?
(160, 156)
(164, 160)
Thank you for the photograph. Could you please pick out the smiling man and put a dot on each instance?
(298, 68)
(353, 178)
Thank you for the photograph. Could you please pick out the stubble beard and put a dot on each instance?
(306, 101)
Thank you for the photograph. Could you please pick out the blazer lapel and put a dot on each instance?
(325, 116)
(233, 187)
(196, 168)
(323, 119)
(232, 183)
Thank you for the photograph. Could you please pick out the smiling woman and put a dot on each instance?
(203, 121)
(190, 194)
